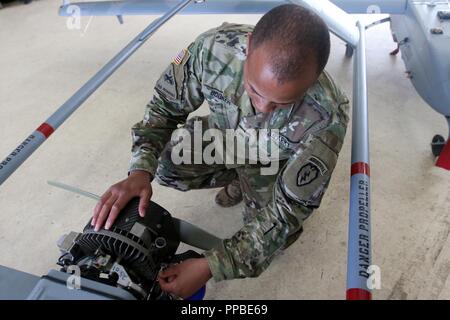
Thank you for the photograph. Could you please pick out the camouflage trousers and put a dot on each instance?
(257, 189)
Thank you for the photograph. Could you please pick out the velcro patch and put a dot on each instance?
(180, 56)
(167, 84)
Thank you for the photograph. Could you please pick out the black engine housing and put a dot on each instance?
(130, 254)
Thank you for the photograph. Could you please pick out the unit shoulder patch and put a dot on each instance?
(167, 85)
(306, 176)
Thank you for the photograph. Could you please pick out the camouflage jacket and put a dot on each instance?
(311, 136)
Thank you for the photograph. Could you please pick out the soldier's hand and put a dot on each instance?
(117, 196)
(186, 278)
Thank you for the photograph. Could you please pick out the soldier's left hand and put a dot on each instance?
(186, 278)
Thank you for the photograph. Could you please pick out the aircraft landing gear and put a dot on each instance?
(437, 145)
(441, 149)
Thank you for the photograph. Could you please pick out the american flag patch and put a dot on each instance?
(179, 58)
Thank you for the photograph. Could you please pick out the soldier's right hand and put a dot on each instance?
(117, 196)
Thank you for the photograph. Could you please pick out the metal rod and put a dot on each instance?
(378, 22)
(359, 240)
(194, 236)
(74, 190)
(340, 22)
(146, 7)
(26, 148)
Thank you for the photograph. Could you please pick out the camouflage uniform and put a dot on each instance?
(311, 136)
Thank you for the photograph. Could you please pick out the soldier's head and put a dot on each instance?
(287, 52)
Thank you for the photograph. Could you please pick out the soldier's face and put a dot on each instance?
(262, 86)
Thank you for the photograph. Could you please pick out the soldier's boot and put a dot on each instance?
(292, 238)
(230, 195)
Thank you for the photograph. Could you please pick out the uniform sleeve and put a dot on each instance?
(177, 93)
(298, 190)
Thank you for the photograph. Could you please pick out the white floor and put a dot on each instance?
(42, 63)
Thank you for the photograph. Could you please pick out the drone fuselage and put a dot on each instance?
(423, 34)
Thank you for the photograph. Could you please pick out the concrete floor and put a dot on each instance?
(42, 64)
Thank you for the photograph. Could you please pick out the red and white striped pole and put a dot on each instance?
(33, 141)
(359, 241)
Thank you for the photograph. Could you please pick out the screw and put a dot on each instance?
(160, 242)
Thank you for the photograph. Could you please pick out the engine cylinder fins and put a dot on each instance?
(157, 221)
(111, 243)
(116, 244)
(121, 241)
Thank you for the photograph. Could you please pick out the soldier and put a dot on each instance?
(270, 76)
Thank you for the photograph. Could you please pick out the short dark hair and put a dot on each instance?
(301, 36)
